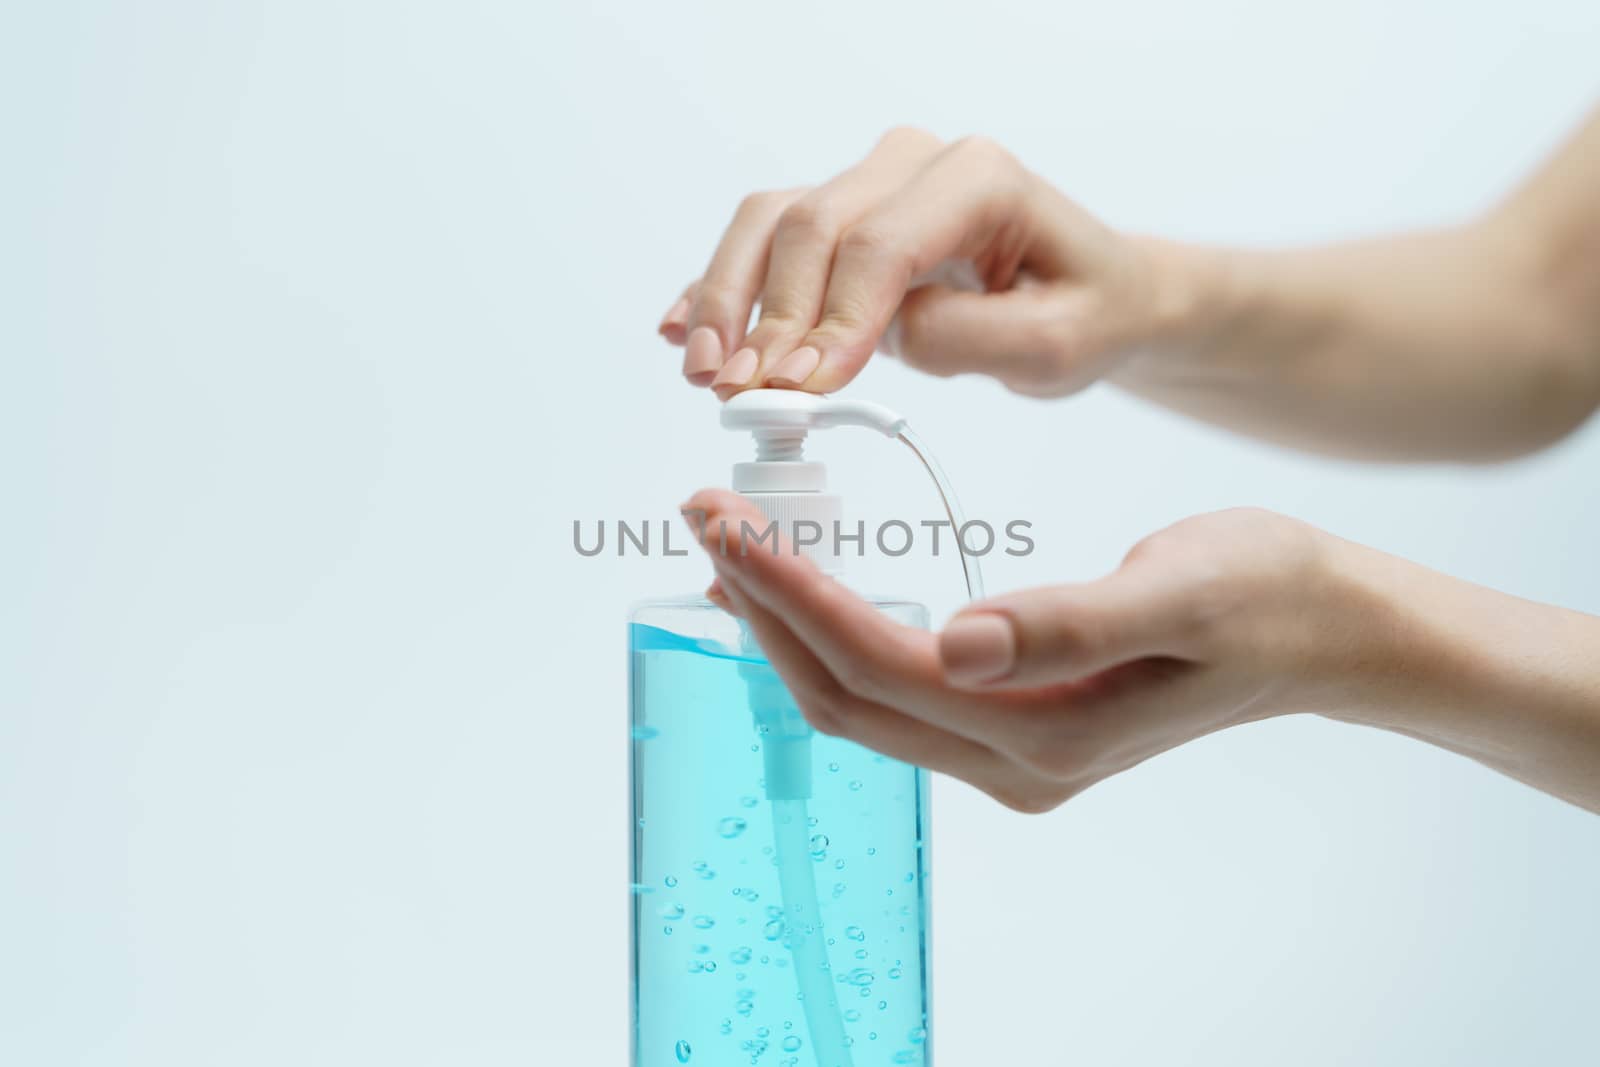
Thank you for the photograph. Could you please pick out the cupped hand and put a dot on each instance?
(1045, 298)
(1034, 696)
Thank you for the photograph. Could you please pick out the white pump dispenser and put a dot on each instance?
(782, 484)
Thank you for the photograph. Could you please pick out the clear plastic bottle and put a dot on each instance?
(780, 904)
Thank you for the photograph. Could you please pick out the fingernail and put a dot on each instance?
(703, 355)
(796, 367)
(678, 315)
(981, 647)
(737, 370)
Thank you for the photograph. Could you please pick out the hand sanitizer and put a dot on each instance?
(780, 897)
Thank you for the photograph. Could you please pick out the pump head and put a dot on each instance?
(775, 412)
(780, 482)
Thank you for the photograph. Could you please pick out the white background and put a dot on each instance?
(321, 322)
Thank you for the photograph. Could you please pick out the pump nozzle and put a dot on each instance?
(780, 410)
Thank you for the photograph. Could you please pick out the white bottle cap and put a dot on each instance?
(788, 490)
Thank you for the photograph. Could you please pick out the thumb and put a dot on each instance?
(1064, 633)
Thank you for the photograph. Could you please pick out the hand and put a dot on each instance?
(1059, 296)
(1034, 696)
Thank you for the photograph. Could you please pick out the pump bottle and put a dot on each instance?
(779, 896)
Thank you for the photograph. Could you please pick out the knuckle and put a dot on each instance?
(717, 304)
(809, 220)
(875, 244)
(843, 326)
(779, 319)
(978, 150)
(907, 137)
(1061, 334)
(989, 163)
(760, 203)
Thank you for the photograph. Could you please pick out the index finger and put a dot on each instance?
(719, 308)
(963, 204)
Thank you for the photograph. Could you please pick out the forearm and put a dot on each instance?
(1476, 342)
(1440, 345)
(1508, 682)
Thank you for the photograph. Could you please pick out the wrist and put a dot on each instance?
(1502, 680)
(1326, 644)
(1194, 299)
(1372, 637)
(1415, 651)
